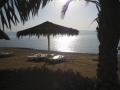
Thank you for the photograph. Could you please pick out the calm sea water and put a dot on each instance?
(85, 42)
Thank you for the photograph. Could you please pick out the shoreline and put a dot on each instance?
(72, 52)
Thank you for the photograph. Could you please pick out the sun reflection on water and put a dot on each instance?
(65, 43)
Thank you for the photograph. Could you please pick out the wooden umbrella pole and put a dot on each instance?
(48, 36)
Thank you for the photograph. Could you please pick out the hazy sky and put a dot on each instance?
(78, 16)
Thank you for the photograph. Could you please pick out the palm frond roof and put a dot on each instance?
(47, 28)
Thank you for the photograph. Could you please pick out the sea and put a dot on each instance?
(85, 42)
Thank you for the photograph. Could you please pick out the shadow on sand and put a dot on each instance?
(43, 79)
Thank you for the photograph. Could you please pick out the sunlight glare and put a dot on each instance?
(65, 43)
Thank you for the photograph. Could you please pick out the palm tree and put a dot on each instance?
(108, 32)
(109, 35)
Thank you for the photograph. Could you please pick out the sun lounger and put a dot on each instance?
(40, 57)
(50, 58)
(56, 59)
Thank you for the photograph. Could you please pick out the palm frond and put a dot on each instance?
(95, 20)
(65, 8)
(3, 20)
(95, 2)
(23, 8)
(2, 3)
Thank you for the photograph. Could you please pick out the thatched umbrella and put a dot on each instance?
(47, 29)
(3, 35)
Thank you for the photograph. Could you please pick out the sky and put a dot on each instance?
(78, 16)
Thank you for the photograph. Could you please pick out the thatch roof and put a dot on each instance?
(47, 28)
(3, 35)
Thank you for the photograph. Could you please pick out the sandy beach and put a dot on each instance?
(77, 72)
(78, 62)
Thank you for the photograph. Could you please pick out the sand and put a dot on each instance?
(83, 63)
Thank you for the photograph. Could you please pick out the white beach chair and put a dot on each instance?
(40, 57)
(56, 59)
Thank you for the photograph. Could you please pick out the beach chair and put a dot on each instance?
(40, 57)
(49, 58)
(56, 59)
